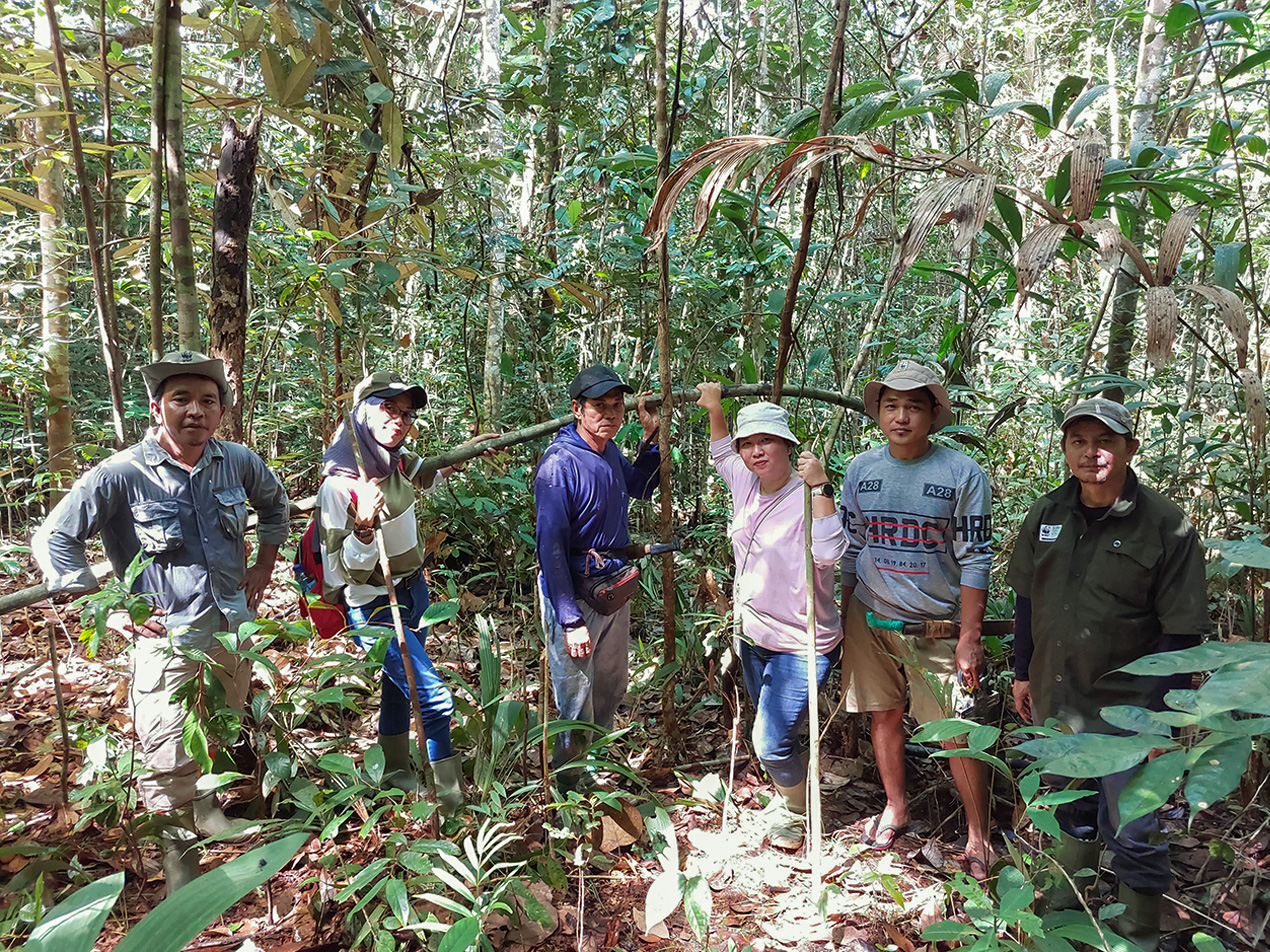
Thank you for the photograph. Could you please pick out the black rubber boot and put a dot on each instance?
(447, 777)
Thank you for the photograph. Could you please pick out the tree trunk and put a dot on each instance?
(786, 333)
(1148, 88)
(188, 333)
(495, 316)
(154, 270)
(231, 227)
(105, 310)
(55, 325)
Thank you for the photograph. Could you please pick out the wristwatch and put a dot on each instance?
(824, 489)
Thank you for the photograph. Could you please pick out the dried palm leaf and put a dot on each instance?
(1089, 158)
(970, 209)
(1173, 242)
(1036, 254)
(1230, 308)
(1161, 307)
(659, 214)
(1254, 402)
(927, 209)
(1110, 240)
(809, 154)
(723, 174)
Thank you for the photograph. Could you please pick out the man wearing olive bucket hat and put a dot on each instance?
(918, 518)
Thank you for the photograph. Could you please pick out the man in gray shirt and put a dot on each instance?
(178, 498)
(919, 534)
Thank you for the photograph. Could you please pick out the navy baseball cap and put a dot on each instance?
(596, 381)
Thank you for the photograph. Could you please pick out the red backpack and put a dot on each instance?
(327, 619)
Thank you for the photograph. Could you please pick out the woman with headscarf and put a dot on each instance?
(385, 405)
(770, 587)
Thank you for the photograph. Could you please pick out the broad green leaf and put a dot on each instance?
(439, 612)
(664, 894)
(178, 919)
(661, 834)
(386, 273)
(1228, 264)
(373, 763)
(573, 211)
(461, 936)
(1206, 657)
(992, 84)
(1091, 755)
(698, 905)
(1236, 687)
(1243, 552)
(74, 923)
(1216, 773)
(371, 140)
(1008, 209)
(1152, 785)
(338, 763)
(1206, 943)
(1083, 102)
(378, 93)
(946, 728)
(1179, 18)
(1249, 63)
(1140, 720)
(195, 740)
(398, 901)
(1067, 90)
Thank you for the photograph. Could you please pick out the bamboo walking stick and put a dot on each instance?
(430, 792)
(813, 707)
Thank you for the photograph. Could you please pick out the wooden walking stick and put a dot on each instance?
(544, 693)
(814, 852)
(430, 793)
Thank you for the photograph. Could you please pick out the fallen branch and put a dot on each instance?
(461, 454)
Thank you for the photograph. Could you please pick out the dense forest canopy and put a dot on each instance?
(1047, 200)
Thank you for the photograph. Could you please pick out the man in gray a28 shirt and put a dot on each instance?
(179, 498)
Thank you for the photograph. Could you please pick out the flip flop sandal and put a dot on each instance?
(874, 840)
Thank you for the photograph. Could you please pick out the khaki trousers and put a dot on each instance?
(172, 776)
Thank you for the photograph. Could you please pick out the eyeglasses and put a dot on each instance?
(396, 413)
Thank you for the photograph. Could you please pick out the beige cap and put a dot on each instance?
(178, 362)
(763, 417)
(910, 375)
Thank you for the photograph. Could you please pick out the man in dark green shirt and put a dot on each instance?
(1106, 571)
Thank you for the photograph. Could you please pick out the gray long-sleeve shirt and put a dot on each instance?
(192, 523)
(917, 530)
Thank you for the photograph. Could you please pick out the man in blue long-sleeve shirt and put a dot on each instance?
(582, 490)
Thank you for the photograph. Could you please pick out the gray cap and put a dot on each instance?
(1115, 415)
(910, 375)
(179, 362)
(762, 417)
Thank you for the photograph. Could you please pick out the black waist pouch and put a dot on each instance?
(607, 593)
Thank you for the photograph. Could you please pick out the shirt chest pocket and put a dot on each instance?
(1127, 569)
(232, 504)
(158, 526)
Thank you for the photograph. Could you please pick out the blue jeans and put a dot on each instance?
(435, 701)
(776, 682)
(1141, 850)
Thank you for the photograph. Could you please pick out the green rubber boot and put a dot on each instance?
(210, 821)
(447, 776)
(398, 770)
(1140, 921)
(1072, 855)
(789, 818)
(180, 850)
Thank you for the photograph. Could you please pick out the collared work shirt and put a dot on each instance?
(1105, 594)
(192, 523)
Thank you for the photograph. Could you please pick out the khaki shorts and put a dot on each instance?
(876, 665)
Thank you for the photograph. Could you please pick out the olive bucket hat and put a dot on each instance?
(910, 375)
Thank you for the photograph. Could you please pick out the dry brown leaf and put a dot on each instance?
(1036, 254)
(1254, 402)
(723, 173)
(970, 209)
(657, 226)
(1161, 308)
(1230, 308)
(1109, 238)
(1173, 242)
(1089, 158)
(927, 209)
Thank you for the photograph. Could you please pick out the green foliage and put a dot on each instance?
(116, 594)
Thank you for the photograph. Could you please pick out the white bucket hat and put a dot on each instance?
(763, 417)
(910, 375)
